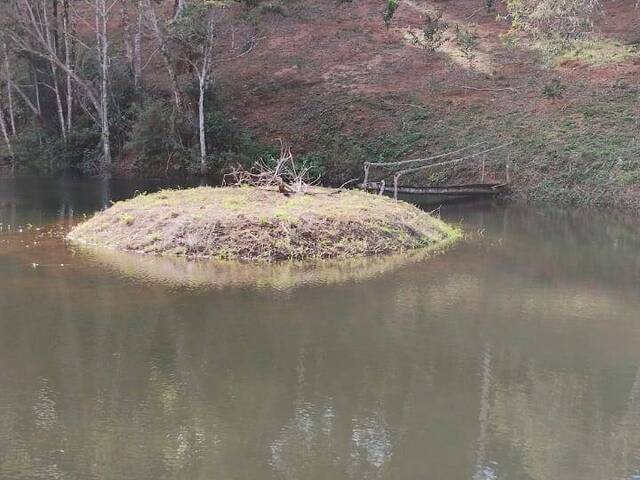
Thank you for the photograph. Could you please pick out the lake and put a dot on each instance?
(514, 355)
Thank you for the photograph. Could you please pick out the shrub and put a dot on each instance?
(389, 11)
(433, 31)
(158, 137)
(468, 42)
(46, 153)
(272, 8)
(554, 89)
(564, 20)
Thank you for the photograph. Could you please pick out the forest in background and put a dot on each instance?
(139, 87)
(78, 93)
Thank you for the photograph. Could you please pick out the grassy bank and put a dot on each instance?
(579, 149)
(262, 225)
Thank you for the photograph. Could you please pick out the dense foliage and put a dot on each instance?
(74, 97)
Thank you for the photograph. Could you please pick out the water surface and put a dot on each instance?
(513, 356)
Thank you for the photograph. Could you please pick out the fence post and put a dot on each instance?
(507, 169)
(396, 177)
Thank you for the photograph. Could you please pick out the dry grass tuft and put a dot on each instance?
(258, 224)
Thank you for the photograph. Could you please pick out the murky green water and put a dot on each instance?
(516, 356)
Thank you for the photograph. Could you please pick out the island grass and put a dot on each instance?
(255, 224)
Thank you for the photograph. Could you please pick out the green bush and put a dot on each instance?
(554, 89)
(468, 43)
(273, 8)
(159, 138)
(389, 11)
(41, 152)
(162, 140)
(433, 33)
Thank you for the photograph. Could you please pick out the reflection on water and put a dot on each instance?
(178, 273)
(512, 357)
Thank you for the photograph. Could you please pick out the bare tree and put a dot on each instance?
(51, 41)
(163, 46)
(36, 88)
(204, 76)
(193, 39)
(66, 31)
(102, 46)
(194, 32)
(32, 35)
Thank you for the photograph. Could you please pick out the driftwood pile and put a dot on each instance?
(284, 174)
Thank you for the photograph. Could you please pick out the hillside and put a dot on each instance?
(341, 88)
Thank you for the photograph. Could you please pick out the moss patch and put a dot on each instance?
(262, 225)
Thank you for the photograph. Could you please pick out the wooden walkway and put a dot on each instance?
(471, 190)
(395, 170)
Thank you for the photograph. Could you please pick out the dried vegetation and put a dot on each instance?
(262, 224)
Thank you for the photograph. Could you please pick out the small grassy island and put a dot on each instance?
(258, 224)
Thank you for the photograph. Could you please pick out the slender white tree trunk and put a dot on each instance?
(203, 81)
(137, 58)
(204, 72)
(54, 73)
(102, 46)
(180, 4)
(203, 140)
(68, 63)
(56, 89)
(36, 85)
(7, 72)
(27, 100)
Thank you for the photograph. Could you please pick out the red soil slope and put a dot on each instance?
(319, 58)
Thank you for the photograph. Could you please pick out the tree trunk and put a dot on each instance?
(56, 90)
(178, 7)
(126, 32)
(7, 139)
(102, 45)
(7, 71)
(54, 72)
(164, 51)
(203, 141)
(68, 63)
(137, 60)
(36, 85)
(54, 26)
(203, 81)
(35, 109)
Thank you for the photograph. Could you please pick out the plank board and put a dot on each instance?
(474, 189)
